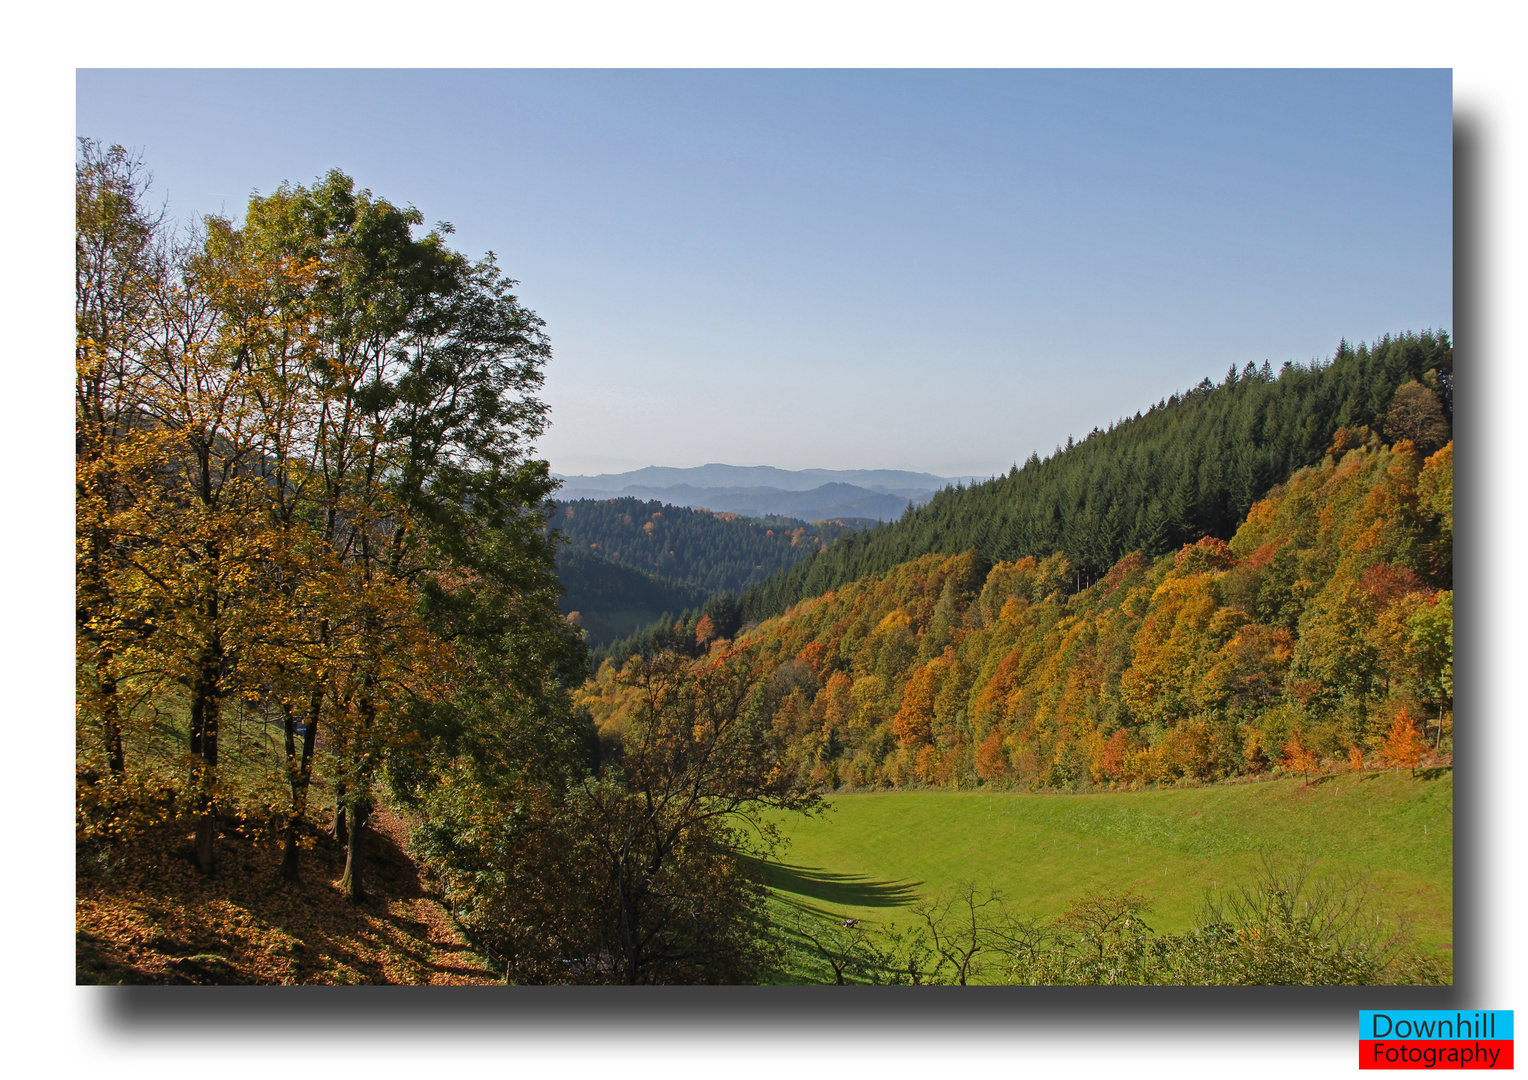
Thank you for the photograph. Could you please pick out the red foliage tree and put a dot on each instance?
(991, 759)
(1115, 751)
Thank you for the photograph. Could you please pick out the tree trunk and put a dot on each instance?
(341, 830)
(93, 602)
(111, 717)
(350, 882)
(206, 830)
(300, 771)
(360, 804)
(204, 750)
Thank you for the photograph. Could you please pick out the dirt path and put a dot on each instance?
(451, 960)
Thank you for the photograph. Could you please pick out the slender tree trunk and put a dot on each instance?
(629, 922)
(300, 771)
(95, 601)
(339, 744)
(351, 882)
(341, 825)
(111, 717)
(360, 804)
(204, 749)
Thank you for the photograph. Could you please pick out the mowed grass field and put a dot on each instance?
(874, 855)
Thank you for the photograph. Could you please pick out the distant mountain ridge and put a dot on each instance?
(759, 490)
(716, 475)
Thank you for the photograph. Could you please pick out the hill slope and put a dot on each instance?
(1190, 466)
(630, 565)
(1322, 633)
(707, 551)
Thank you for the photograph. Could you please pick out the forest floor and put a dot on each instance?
(144, 915)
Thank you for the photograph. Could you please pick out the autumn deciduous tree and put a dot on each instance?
(192, 516)
(991, 757)
(116, 274)
(1297, 759)
(913, 724)
(305, 478)
(636, 875)
(1416, 414)
(1094, 920)
(1403, 747)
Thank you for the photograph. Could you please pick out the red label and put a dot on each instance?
(1463, 1054)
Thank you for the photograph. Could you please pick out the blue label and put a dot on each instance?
(1412, 1025)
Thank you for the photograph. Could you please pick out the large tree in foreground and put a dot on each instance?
(306, 477)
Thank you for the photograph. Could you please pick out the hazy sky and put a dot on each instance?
(937, 270)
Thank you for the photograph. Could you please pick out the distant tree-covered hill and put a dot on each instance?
(593, 584)
(631, 567)
(1188, 467)
(711, 552)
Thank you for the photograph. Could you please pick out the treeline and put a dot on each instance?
(1321, 633)
(1190, 466)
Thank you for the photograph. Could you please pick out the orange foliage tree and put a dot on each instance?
(1403, 747)
(1297, 759)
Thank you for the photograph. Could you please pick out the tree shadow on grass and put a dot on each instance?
(845, 890)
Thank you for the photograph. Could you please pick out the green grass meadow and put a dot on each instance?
(874, 855)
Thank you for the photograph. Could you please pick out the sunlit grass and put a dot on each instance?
(872, 856)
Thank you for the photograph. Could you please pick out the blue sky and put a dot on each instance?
(938, 270)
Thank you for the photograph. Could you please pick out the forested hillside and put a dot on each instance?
(1322, 631)
(607, 600)
(713, 552)
(1190, 466)
(630, 567)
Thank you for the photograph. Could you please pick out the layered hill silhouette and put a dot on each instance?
(761, 490)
